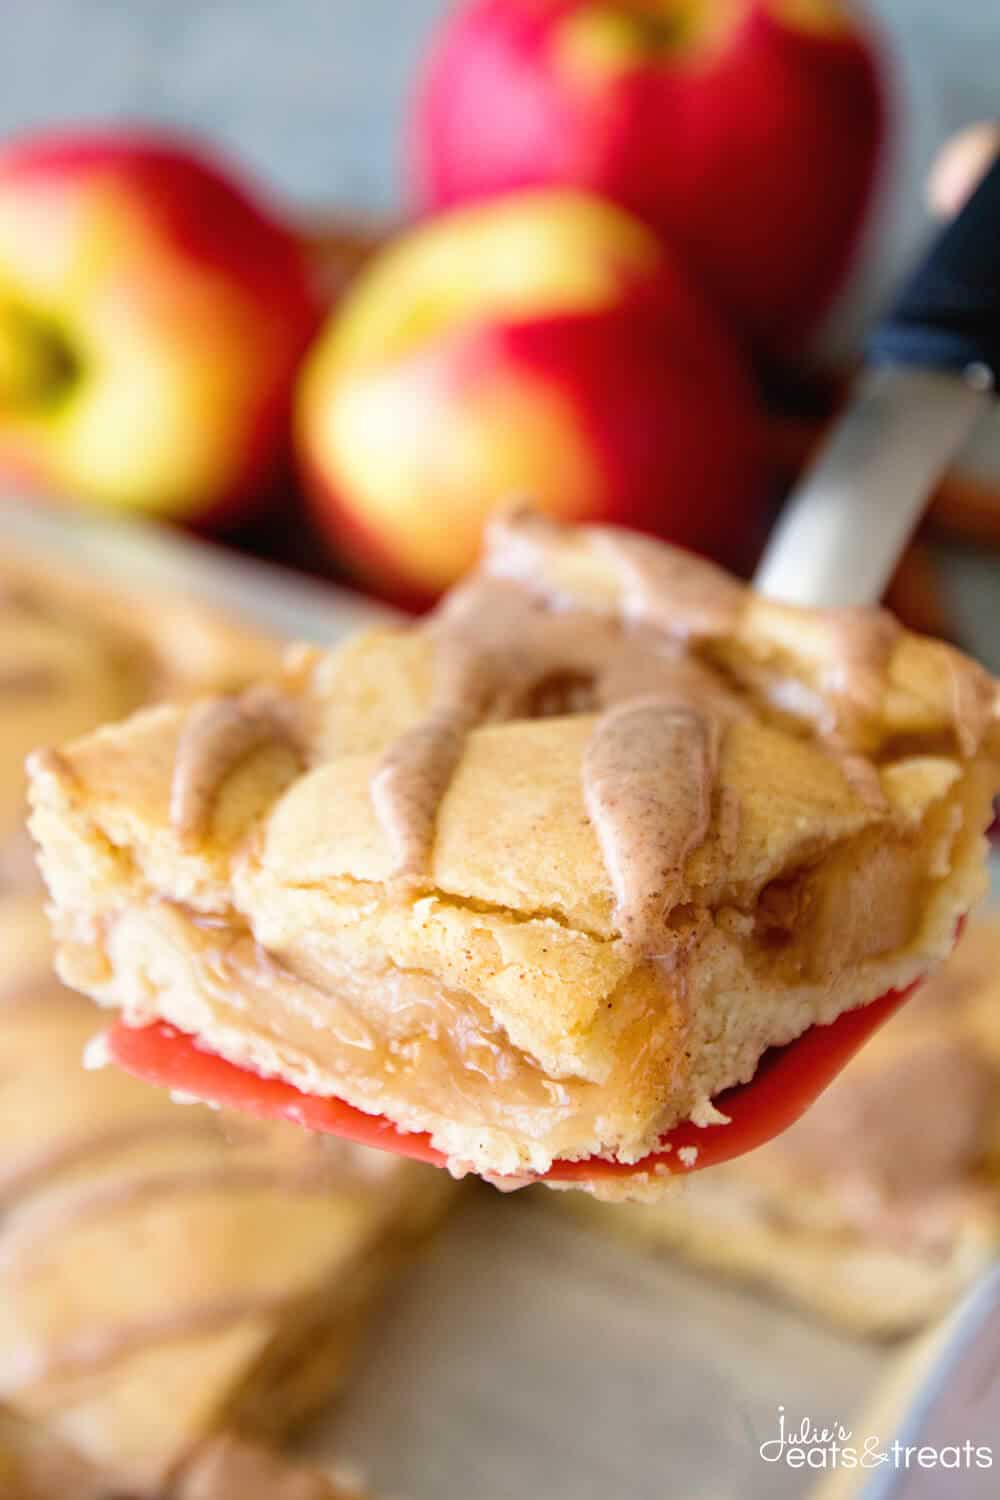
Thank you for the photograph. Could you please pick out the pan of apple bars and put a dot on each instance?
(194, 1304)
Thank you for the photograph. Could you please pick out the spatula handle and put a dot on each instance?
(948, 315)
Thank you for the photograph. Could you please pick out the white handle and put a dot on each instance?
(842, 533)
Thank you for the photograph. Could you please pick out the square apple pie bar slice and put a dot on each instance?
(543, 874)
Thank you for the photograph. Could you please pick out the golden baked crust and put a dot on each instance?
(546, 873)
(165, 1270)
(869, 1211)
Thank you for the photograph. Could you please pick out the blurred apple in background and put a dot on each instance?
(152, 315)
(747, 131)
(545, 345)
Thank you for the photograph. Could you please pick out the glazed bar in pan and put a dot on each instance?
(167, 1272)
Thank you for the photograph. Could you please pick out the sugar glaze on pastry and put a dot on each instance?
(544, 873)
(505, 639)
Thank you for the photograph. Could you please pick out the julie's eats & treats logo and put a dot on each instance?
(813, 1445)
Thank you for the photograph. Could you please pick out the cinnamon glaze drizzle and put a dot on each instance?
(663, 649)
(539, 614)
(217, 735)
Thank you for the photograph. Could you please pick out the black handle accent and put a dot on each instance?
(948, 314)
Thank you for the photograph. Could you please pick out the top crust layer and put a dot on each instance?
(607, 810)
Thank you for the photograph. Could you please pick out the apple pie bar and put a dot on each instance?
(166, 1271)
(541, 875)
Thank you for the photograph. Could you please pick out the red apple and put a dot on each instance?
(745, 130)
(545, 345)
(152, 316)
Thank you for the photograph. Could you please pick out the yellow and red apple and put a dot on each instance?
(152, 316)
(545, 346)
(747, 131)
